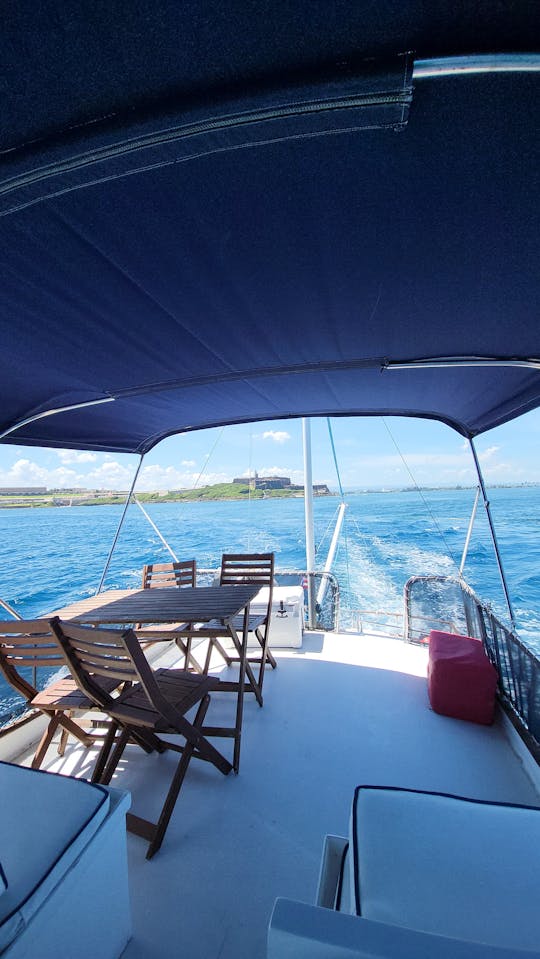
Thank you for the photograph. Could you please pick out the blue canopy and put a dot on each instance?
(218, 212)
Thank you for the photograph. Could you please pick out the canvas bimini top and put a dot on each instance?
(218, 212)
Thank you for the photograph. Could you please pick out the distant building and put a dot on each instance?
(264, 482)
(320, 489)
(22, 490)
(278, 482)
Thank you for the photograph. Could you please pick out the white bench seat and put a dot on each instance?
(63, 854)
(421, 875)
(446, 865)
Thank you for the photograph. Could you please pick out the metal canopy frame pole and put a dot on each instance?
(120, 524)
(308, 510)
(493, 534)
(469, 532)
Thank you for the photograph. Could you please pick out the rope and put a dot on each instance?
(335, 457)
(422, 497)
(331, 524)
(209, 455)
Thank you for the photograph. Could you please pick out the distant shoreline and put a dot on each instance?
(225, 492)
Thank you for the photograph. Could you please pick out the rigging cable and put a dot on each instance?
(151, 521)
(330, 525)
(208, 457)
(422, 497)
(335, 457)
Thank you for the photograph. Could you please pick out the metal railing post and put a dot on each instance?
(469, 532)
(493, 534)
(120, 524)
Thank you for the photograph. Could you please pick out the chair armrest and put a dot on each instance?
(333, 850)
(301, 931)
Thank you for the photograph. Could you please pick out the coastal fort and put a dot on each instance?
(257, 482)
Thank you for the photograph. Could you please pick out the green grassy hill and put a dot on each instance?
(219, 491)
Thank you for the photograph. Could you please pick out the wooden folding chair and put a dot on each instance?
(236, 569)
(154, 703)
(26, 645)
(162, 576)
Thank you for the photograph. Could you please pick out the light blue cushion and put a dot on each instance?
(446, 865)
(46, 821)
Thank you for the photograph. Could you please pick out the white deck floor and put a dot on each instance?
(341, 711)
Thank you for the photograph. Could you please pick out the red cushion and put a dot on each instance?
(461, 680)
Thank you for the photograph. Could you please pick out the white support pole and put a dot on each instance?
(120, 524)
(331, 553)
(9, 609)
(308, 511)
(493, 534)
(469, 532)
(156, 530)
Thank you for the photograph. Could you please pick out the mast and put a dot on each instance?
(308, 512)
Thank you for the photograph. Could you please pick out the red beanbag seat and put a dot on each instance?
(461, 680)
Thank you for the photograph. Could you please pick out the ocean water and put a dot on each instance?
(54, 556)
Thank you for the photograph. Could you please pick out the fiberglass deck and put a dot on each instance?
(342, 710)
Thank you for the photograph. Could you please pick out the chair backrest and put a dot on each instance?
(27, 644)
(257, 568)
(237, 568)
(161, 575)
(111, 654)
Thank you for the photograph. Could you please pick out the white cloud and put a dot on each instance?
(188, 463)
(276, 436)
(296, 476)
(25, 472)
(157, 477)
(489, 453)
(74, 456)
(110, 474)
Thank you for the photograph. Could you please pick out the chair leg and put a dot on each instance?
(73, 729)
(206, 667)
(269, 657)
(215, 644)
(178, 778)
(106, 764)
(185, 649)
(45, 740)
(113, 760)
(104, 753)
(266, 655)
(63, 742)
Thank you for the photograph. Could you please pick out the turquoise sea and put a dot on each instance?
(54, 556)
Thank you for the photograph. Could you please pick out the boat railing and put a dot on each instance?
(517, 665)
(324, 585)
(392, 623)
(375, 620)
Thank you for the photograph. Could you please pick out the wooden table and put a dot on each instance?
(185, 607)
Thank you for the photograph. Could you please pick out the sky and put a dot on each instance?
(372, 453)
